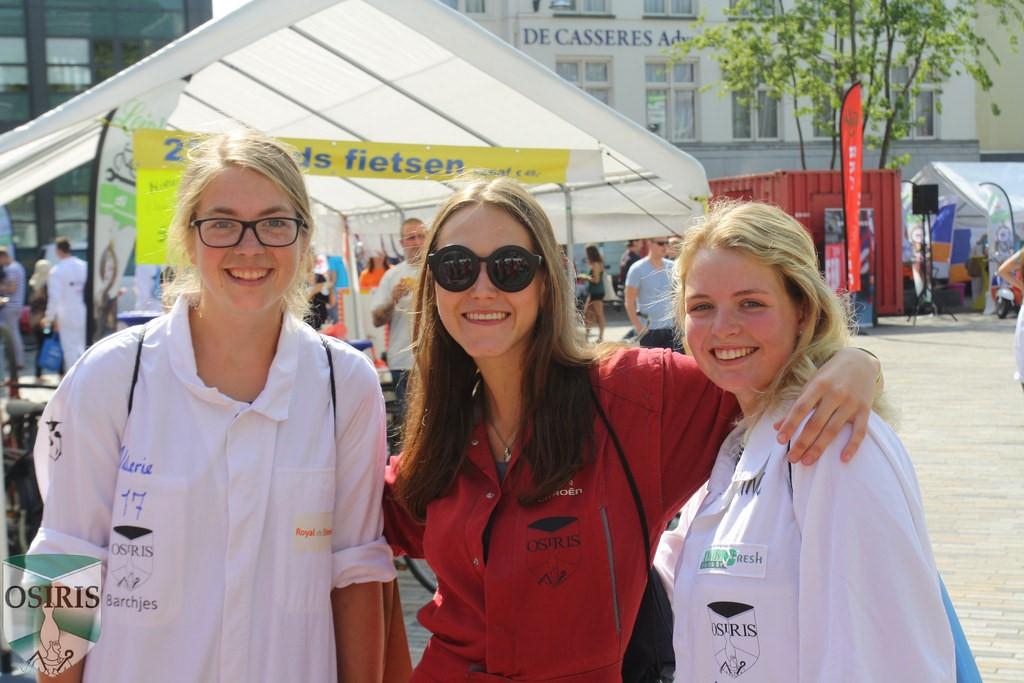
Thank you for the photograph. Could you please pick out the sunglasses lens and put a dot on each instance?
(456, 268)
(512, 269)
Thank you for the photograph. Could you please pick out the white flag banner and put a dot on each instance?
(113, 237)
(1000, 238)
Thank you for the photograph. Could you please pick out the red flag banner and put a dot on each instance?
(851, 137)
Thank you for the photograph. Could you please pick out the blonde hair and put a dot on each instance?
(776, 240)
(241, 148)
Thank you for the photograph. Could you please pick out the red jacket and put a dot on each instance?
(558, 594)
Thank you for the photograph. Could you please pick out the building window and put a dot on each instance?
(669, 8)
(919, 110)
(757, 122)
(584, 7)
(592, 75)
(23, 221)
(751, 8)
(672, 100)
(475, 7)
(13, 81)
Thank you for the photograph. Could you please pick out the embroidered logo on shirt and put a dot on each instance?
(553, 549)
(734, 637)
(312, 533)
(131, 556)
(739, 559)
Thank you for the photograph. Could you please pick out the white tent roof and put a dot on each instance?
(410, 71)
(967, 181)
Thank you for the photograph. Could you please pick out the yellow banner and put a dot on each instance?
(161, 155)
(156, 191)
(394, 161)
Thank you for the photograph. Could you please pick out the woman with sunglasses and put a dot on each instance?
(232, 494)
(510, 485)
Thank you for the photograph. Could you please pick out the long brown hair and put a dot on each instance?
(556, 384)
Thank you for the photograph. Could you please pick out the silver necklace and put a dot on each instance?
(507, 455)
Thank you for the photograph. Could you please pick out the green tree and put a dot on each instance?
(811, 51)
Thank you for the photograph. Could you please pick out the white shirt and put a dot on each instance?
(833, 581)
(251, 512)
(400, 332)
(64, 289)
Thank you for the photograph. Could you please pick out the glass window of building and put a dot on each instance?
(751, 8)
(672, 99)
(475, 6)
(670, 8)
(755, 117)
(917, 109)
(582, 6)
(23, 221)
(592, 75)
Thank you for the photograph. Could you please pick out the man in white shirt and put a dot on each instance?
(13, 287)
(65, 308)
(393, 303)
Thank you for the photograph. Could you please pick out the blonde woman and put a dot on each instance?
(510, 484)
(232, 493)
(783, 573)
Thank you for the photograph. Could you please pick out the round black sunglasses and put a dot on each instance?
(511, 268)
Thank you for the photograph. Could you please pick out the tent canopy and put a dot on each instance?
(967, 180)
(413, 71)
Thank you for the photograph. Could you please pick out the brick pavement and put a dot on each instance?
(962, 419)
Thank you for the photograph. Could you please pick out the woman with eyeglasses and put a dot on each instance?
(510, 484)
(225, 462)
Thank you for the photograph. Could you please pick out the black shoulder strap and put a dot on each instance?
(629, 478)
(330, 367)
(135, 372)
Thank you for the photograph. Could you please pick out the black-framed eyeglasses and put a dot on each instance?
(661, 243)
(273, 231)
(511, 268)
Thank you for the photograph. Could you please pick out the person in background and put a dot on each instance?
(65, 305)
(594, 308)
(370, 278)
(37, 301)
(509, 483)
(13, 287)
(392, 306)
(775, 572)
(233, 496)
(1012, 270)
(629, 257)
(648, 297)
(320, 295)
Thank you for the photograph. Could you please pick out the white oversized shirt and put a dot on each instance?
(400, 331)
(64, 290)
(833, 580)
(222, 525)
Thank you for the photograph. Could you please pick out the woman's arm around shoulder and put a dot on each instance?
(869, 602)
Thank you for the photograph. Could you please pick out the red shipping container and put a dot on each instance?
(806, 194)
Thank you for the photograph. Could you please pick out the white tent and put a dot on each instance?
(971, 182)
(412, 71)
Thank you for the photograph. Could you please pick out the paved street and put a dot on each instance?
(962, 418)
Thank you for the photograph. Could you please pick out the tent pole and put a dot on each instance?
(569, 246)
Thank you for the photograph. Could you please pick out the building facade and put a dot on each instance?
(51, 50)
(1000, 136)
(616, 50)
